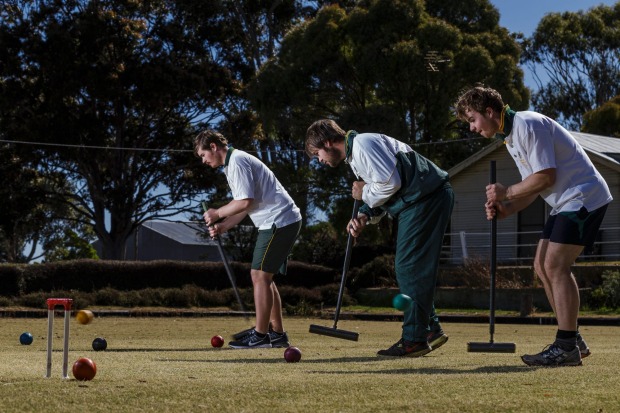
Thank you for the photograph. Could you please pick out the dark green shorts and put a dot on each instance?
(273, 247)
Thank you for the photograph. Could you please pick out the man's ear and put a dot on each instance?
(213, 147)
(328, 144)
(490, 112)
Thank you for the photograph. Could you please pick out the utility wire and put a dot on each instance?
(63, 145)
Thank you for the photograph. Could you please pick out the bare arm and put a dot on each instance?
(230, 210)
(503, 201)
(530, 186)
(507, 208)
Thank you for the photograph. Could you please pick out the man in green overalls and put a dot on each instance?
(396, 180)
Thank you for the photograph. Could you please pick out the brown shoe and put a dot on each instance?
(406, 348)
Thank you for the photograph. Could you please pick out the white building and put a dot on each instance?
(518, 234)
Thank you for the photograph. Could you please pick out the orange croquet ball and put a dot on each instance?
(84, 316)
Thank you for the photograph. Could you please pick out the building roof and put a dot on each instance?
(187, 233)
(606, 149)
(603, 146)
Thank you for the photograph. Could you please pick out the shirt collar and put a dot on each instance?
(230, 151)
(348, 144)
(505, 123)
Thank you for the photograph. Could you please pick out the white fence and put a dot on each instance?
(518, 248)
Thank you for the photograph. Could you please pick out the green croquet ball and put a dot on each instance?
(25, 339)
(402, 302)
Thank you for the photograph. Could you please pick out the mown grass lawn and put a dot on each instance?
(168, 365)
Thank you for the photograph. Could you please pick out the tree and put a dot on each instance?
(367, 67)
(29, 218)
(604, 120)
(70, 246)
(117, 86)
(578, 54)
(249, 34)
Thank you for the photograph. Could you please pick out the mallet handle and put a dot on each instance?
(493, 261)
(347, 261)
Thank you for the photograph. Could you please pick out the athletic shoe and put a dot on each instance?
(279, 340)
(583, 347)
(243, 333)
(406, 348)
(436, 339)
(252, 341)
(554, 356)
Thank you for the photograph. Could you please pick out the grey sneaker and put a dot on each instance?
(553, 356)
(243, 333)
(252, 341)
(583, 347)
(406, 348)
(279, 340)
(436, 339)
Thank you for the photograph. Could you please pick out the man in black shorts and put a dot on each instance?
(553, 165)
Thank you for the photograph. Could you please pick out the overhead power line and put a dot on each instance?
(115, 148)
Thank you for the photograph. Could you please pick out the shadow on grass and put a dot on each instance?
(424, 370)
(140, 350)
(438, 370)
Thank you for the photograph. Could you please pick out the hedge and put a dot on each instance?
(94, 275)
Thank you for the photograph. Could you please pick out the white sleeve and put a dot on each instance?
(240, 179)
(379, 172)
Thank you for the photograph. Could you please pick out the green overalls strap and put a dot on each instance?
(419, 178)
(423, 207)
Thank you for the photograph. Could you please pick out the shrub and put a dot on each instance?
(377, 273)
(608, 293)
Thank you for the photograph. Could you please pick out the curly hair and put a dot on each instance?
(478, 99)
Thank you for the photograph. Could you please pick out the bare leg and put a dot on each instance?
(539, 267)
(263, 299)
(276, 310)
(554, 260)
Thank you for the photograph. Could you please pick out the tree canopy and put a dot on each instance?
(578, 55)
(386, 66)
(115, 85)
(107, 95)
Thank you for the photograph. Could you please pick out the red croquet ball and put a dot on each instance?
(217, 341)
(84, 369)
(292, 354)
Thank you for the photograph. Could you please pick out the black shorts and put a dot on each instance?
(574, 227)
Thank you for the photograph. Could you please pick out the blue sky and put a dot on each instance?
(523, 16)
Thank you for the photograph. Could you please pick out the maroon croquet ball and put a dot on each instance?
(292, 354)
(84, 369)
(217, 341)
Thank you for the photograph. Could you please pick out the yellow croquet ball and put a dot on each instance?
(84, 316)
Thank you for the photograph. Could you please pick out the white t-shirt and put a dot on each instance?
(373, 160)
(537, 142)
(249, 178)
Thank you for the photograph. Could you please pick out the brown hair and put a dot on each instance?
(478, 99)
(322, 131)
(207, 137)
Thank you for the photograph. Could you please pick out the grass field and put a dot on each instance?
(168, 365)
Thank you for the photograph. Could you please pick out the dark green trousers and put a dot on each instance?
(421, 228)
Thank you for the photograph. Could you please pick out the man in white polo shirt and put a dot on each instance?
(553, 165)
(256, 192)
